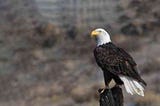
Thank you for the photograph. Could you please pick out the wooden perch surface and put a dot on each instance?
(111, 97)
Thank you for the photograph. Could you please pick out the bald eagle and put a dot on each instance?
(116, 64)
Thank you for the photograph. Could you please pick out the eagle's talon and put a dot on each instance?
(101, 90)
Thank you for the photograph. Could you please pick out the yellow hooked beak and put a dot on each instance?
(94, 33)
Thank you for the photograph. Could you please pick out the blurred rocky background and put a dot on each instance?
(46, 54)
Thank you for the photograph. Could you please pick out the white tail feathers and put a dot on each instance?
(132, 86)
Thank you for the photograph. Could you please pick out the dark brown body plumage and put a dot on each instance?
(115, 61)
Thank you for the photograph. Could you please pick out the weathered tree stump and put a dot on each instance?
(111, 97)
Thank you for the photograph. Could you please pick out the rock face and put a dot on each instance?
(82, 14)
(129, 17)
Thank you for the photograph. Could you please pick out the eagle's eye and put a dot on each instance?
(99, 31)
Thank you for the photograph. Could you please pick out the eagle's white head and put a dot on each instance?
(101, 36)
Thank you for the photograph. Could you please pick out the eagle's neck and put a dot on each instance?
(103, 39)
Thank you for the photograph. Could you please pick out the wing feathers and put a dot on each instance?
(120, 63)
